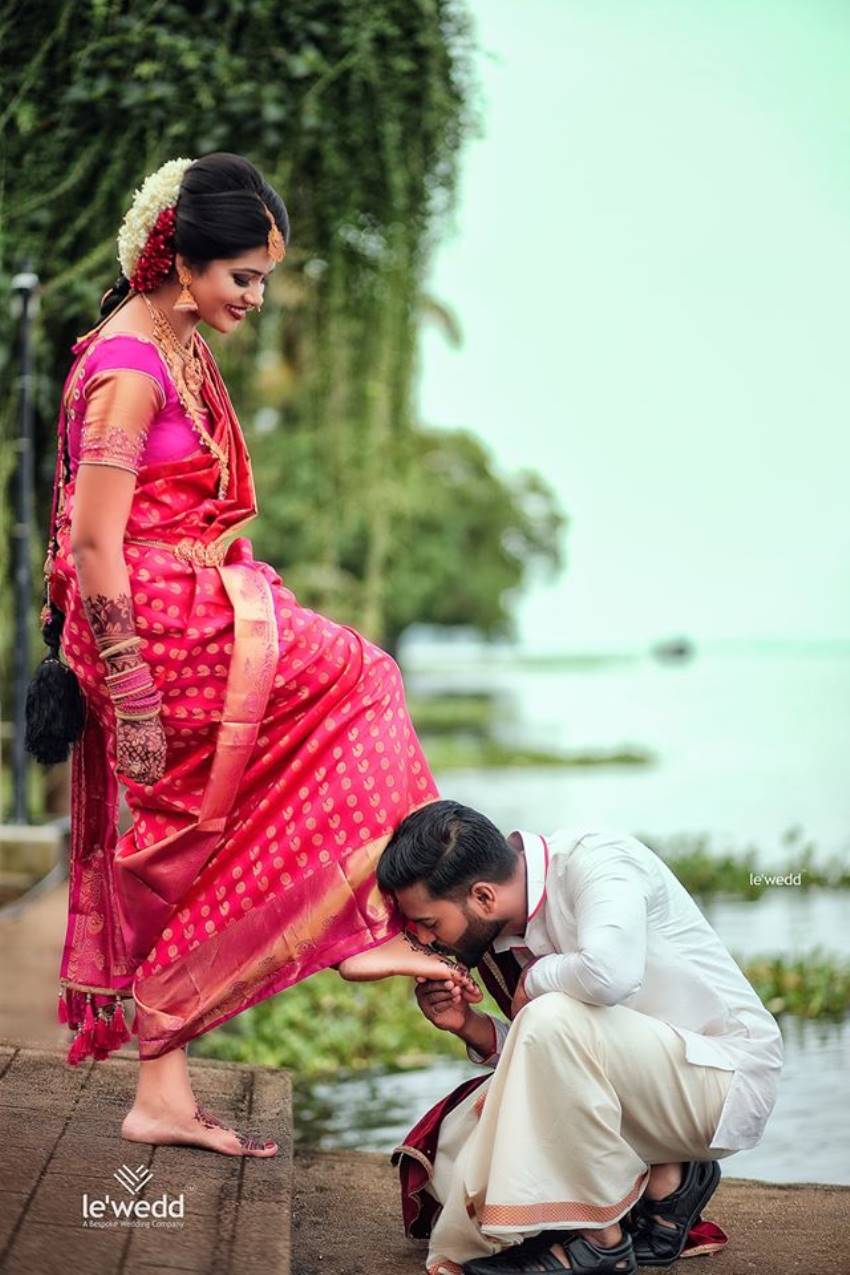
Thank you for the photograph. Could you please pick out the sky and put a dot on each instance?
(650, 264)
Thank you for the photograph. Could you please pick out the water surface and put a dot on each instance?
(806, 1139)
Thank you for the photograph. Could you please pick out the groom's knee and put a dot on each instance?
(553, 1016)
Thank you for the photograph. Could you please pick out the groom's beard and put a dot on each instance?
(475, 940)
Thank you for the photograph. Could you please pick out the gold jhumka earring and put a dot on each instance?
(185, 301)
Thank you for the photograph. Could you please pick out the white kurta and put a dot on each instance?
(616, 927)
(643, 1043)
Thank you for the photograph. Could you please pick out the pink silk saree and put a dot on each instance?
(291, 757)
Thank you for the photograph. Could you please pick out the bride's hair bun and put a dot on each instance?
(114, 295)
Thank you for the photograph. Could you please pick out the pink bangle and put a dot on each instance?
(144, 695)
(125, 673)
(138, 689)
(141, 700)
(137, 717)
(139, 683)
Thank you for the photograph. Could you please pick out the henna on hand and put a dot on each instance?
(140, 743)
(112, 620)
(140, 749)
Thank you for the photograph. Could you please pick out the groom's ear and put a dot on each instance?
(483, 894)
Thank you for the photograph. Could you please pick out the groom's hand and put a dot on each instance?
(446, 1003)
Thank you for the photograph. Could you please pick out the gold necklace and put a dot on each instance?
(192, 371)
(187, 373)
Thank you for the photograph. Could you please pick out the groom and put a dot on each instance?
(637, 1054)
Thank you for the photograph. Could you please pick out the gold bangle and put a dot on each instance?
(119, 646)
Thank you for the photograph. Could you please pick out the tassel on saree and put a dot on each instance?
(120, 1035)
(97, 1031)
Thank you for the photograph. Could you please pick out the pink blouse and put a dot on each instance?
(124, 409)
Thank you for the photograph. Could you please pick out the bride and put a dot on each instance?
(266, 751)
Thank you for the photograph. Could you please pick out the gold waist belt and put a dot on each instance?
(199, 552)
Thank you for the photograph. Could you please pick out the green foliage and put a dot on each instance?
(355, 110)
(705, 870)
(452, 714)
(464, 537)
(471, 752)
(463, 732)
(324, 1026)
(814, 986)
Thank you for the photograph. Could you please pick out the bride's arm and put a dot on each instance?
(103, 496)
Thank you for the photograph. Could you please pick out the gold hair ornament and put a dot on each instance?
(275, 245)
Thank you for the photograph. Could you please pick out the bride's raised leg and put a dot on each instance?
(399, 955)
(166, 1112)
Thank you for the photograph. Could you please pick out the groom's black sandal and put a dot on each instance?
(586, 1258)
(658, 1245)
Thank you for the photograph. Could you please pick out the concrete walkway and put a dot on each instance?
(347, 1221)
(61, 1149)
(31, 939)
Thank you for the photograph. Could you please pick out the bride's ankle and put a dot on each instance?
(157, 1108)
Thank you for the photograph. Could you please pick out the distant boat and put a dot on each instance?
(679, 648)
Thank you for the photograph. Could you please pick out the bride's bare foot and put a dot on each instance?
(400, 955)
(198, 1129)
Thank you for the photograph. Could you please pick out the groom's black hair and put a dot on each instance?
(448, 847)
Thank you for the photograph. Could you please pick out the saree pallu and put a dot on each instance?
(291, 759)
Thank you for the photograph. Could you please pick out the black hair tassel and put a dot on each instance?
(55, 705)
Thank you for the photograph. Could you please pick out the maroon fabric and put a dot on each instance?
(95, 958)
(506, 966)
(704, 1237)
(420, 1209)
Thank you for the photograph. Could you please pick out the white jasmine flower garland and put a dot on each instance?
(158, 192)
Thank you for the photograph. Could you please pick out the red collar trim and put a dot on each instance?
(543, 893)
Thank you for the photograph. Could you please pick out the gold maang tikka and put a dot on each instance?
(275, 245)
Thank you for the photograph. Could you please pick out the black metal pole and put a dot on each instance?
(24, 285)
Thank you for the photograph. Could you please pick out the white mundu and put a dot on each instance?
(643, 1043)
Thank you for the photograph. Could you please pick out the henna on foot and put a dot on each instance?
(400, 955)
(201, 1129)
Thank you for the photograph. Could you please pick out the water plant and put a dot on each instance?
(325, 1027)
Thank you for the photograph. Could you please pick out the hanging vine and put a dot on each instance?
(356, 111)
